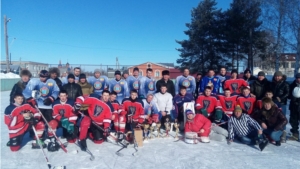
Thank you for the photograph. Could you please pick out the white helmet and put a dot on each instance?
(296, 92)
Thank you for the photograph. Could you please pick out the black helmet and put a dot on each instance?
(44, 73)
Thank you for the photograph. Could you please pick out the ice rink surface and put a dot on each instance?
(159, 153)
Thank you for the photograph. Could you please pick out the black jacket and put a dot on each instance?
(170, 86)
(73, 90)
(250, 80)
(17, 89)
(59, 83)
(259, 88)
(280, 89)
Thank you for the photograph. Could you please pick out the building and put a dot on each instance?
(13, 68)
(156, 67)
(64, 68)
(33, 67)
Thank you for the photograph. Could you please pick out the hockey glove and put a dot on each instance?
(33, 121)
(106, 132)
(65, 123)
(48, 101)
(77, 106)
(204, 112)
(31, 101)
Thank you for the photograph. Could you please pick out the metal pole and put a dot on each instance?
(6, 44)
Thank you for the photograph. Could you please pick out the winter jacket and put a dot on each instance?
(250, 80)
(170, 86)
(199, 122)
(295, 102)
(280, 89)
(73, 90)
(86, 88)
(273, 118)
(259, 88)
(17, 89)
(59, 83)
(164, 102)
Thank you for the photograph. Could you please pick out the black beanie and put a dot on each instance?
(82, 76)
(247, 71)
(165, 72)
(117, 72)
(136, 69)
(71, 76)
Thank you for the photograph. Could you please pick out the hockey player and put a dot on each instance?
(212, 81)
(134, 110)
(163, 99)
(20, 85)
(187, 81)
(99, 82)
(178, 102)
(119, 86)
(222, 76)
(235, 84)
(148, 84)
(199, 124)
(73, 89)
(228, 102)
(207, 104)
(99, 113)
(246, 102)
(133, 81)
(125, 74)
(64, 116)
(151, 110)
(119, 115)
(19, 118)
(48, 91)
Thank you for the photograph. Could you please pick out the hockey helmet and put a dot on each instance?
(296, 92)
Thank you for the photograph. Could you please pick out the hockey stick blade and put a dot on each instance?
(92, 158)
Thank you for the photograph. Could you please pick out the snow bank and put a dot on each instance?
(9, 75)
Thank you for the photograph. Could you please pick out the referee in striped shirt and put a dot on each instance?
(243, 127)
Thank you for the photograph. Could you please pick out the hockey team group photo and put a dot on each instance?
(231, 100)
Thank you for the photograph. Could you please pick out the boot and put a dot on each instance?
(53, 145)
(294, 137)
(36, 144)
(277, 143)
(263, 144)
(82, 144)
(283, 137)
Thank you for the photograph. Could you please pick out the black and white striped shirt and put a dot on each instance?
(242, 126)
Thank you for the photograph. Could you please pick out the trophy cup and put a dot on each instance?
(151, 130)
(158, 129)
(176, 125)
(146, 130)
(168, 127)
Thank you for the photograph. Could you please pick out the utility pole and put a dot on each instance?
(6, 43)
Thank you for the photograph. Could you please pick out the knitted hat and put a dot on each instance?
(261, 73)
(234, 71)
(136, 69)
(71, 76)
(125, 72)
(278, 73)
(247, 71)
(82, 76)
(25, 72)
(117, 72)
(188, 111)
(97, 70)
(238, 108)
(297, 75)
(165, 72)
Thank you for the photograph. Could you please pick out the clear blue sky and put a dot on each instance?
(96, 31)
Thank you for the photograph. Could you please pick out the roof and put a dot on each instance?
(159, 64)
(12, 67)
(22, 62)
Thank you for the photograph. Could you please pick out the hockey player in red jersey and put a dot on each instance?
(246, 102)
(206, 104)
(19, 118)
(134, 110)
(228, 102)
(99, 113)
(64, 116)
(234, 84)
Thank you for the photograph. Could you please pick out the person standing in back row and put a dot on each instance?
(167, 82)
(133, 81)
(73, 89)
(21, 85)
(99, 82)
(187, 81)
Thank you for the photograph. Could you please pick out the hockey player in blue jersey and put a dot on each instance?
(148, 84)
(187, 81)
(222, 77)
(212, 81)
(151, 110)
(98, 81)
(42, 93)
(119, 86)
(133, 81)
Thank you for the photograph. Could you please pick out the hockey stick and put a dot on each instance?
(52, 131)
(45, 156)
(134, 140)
(92, 158)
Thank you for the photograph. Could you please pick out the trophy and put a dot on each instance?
(158, 129)
(146, 130)
(167, 126)
(176, 125)
(151, 130)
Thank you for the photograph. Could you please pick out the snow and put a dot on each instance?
(9, 75)
(159, 153)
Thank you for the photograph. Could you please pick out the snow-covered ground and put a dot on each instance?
(9, 75)
(160, 153)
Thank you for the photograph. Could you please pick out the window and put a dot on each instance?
(293, 65)
(157, 73)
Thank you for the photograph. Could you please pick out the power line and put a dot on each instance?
(83, 47)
